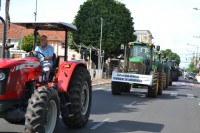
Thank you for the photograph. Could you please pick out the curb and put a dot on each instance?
(100, 84)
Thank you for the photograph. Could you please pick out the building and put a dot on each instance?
(143, 36)
(55, 39)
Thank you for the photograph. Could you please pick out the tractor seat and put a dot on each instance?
(53, 70)
(54, 60)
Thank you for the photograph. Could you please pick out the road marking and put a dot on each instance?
(132, 103)
(99, 124)
(199, 103)
(190, 95)
(173, 94)
(101, 88)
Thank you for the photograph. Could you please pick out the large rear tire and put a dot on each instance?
(153, 90)
(80, 96)
(116, 88)
(43, 111)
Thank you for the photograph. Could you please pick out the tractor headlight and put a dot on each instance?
(2, 76)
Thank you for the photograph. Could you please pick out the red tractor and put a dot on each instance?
(27, 97)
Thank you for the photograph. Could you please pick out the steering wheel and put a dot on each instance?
(40, 53)
(35, 53)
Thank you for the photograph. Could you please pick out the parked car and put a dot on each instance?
(191, 75)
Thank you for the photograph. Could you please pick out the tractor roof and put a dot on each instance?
(141, 43)
(56, 26)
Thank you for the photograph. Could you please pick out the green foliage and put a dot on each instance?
(192, 68)
(27, 42)
(171, 55)
(117, 25)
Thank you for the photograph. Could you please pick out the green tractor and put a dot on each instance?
(167, 70)
(138, 68)
(173, 70)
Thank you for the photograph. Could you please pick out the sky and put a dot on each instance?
(173, 23)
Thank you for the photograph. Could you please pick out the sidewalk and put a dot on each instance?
(196, 85)
(100, 81)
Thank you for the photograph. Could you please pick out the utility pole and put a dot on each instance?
(197, 54)
(35, 13)
(99, 60)
(90, 60)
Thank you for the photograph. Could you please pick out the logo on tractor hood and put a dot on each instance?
(2, 76)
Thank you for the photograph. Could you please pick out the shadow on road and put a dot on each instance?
(131, 126)
(115, 127)
(104, 102)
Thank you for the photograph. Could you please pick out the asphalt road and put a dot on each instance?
(176, 111)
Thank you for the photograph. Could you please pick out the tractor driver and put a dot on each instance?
(143, 54)
(47, 51)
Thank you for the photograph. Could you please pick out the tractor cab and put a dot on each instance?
(50, 26)
(141, 57)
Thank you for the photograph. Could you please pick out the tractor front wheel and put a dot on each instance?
(43, 111)
(80, 96)
(116, 88)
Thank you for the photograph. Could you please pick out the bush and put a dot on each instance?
(27, 42)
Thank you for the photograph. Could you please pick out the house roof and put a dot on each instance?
(138, 32)
(56, 26)
(16, 31)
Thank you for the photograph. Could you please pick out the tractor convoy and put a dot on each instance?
(27, 97)
(143, 65)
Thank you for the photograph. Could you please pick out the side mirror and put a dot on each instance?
(157, 48)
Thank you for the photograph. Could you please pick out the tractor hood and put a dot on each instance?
(136, 59)
(7, 63)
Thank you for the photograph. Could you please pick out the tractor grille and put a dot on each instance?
(3, 82)
(138, 68)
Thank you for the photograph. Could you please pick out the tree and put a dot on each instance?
(117, 25)
(171, 55)
(192, 68)
(27, 42)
